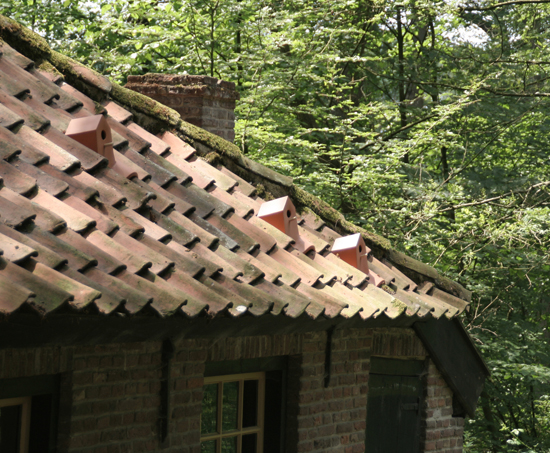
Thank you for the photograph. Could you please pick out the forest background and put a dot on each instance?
(424, 121)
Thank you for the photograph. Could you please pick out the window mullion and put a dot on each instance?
(240, 416)
(261, 412)
(220, 417)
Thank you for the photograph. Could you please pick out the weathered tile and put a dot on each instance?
(59, 158)
(82, 294)
(16, 180)
(119, 114)
(157, 145)
(177, 145)
(244, 186)
(45, 218)
(45, 181)
(121, 253)
(105, 261)
(47, 296)
(15, 251)
(74, 219)
(62, 251)
(11, 144)
(45, 254)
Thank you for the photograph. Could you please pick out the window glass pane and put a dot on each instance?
(209, 409)
(10, 428)
(208, 446)
(229, 445)
(249, 443)
(250, 403)
(230, 406)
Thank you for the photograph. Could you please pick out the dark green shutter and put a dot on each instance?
(393, 406)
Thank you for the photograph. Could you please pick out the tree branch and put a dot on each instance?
(502, 4)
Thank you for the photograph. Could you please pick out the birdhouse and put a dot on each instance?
(95, 133)
(281, 214)
(352, 250)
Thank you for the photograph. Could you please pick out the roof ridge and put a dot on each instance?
(157, 117)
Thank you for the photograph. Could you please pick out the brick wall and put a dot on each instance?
(110, 394)
(444, 433)
(204, 101)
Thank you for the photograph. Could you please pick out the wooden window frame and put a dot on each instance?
(240, 431)
(25, 426)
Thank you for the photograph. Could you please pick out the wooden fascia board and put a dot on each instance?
(456, 357)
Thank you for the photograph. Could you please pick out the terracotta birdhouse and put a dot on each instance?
(352, 250)
(281, 213)
(95, 133)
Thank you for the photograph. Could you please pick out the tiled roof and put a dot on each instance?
(181, 239)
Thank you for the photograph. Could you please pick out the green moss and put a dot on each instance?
(213, 159)
(143, 104)
(396, 303)
(46, 66)
(262, 192)
(335, 219)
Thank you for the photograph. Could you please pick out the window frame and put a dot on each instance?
(258, 429)
(35, 388)
(25, 425)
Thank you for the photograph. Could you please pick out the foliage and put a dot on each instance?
(425, 121)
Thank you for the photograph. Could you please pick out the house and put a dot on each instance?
(159, 291)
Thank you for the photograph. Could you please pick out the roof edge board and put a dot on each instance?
(82, 329)
(456, 357)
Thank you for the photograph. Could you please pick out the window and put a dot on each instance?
(27, 414)
(232, 413)
(15, 417)
(396, 389)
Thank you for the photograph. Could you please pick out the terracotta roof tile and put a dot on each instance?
(60, 158)
(126, 138)
(157, 145)
(15, 57)
(118, 113)
(135, 300)
(159, 244)
(14, 112)
(48, 297)
(45, 254)
(105, 262)
(9, 119)
(135, 263)
(16, 180)
(82, 295)
(64, 252)
(47, 181)
(240, 208)
(157, 173)
(243, 262)
(177, 145)
(75, 220)
(222, 180)
(86, 101)
(199, 179)
(15, 251)
(43, 92)
(306, 273)
(108, 301)
(12, 86)
(107, 193)
(247, 189)
(188, 231)
(13, 295)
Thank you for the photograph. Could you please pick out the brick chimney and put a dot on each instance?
(200, 100)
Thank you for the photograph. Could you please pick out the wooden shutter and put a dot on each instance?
(394, 405)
